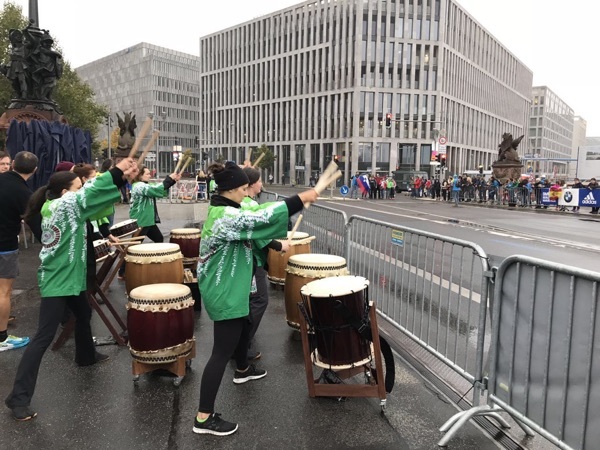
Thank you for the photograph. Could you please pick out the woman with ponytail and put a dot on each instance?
(65, 206)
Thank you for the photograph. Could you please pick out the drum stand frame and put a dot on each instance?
(177, 367)
(106, 273)
(316, 389)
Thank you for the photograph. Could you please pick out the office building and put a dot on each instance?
(550, 133)
(151, 81)
(315, 82)
(579, 132)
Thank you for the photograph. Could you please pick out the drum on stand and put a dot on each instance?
(153, 263)
(101, 249)
(277, 261)
(123, 229)
(301, 270)
(160, 322)
(338, 344)
(188, 240)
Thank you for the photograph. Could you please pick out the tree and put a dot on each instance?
(75, 98)
(267, 161)
(114, 141)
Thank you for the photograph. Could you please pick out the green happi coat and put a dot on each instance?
(225, 263)
(259, 244)
(143, 196)
(63, 256)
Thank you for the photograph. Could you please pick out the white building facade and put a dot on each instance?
(315, 81)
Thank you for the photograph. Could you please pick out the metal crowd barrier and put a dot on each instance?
(544, 368)
(433, 288)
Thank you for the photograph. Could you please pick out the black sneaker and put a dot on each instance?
(23, 413)
(214, 425)
(252, 373)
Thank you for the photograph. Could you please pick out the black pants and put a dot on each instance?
(230, 338)
(51, 312)
(258, 302)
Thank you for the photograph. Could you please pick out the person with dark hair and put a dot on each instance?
(4, 162)
(14, 195)
(143, 202)
(259, 300)
(225, 271)
(64, 166)
(106, 164)
(64, 206)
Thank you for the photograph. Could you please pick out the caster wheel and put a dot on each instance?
(177, 381)
(136, 378)
(188, 363)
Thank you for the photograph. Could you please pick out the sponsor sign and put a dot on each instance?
(398, 237)
(572, 197)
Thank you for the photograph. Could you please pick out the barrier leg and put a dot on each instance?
(458, 420)
(528, 431)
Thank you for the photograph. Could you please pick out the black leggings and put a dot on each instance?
(230, 338)
(51, 312)
(153, 233)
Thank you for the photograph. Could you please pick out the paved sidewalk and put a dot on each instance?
(101, 408)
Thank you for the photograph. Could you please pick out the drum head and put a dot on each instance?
(334, 286)
(160, 291)
(316, 260)
(185, 231)
(123, 223)
(151, 249)
(100, 242)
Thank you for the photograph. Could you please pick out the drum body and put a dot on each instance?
(153, 263)
(101, 249)
(124, 228)
(302, 269)
(188, 240)
(277, 261)
(338, 345)
(160, 321)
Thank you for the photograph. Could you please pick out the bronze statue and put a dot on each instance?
(34, 67)
(127, 126)
(507, 150)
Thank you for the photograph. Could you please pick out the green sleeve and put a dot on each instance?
(96, 196)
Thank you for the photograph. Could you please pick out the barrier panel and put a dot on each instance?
(431, 287)
(544, 365)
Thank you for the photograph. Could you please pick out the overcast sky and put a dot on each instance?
(558, 41)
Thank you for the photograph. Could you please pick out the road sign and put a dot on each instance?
(344, 190)
(441, 149)
(442, 140)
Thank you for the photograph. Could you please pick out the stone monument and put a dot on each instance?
(33, 70)
(127, 126)
(508, 164)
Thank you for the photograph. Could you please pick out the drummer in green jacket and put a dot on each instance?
(143, 202)
(65, 206)
(225, 271)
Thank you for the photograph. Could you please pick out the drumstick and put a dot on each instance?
(183, 157)
(296, 225)
(259, 159)
(137, 238)
(187, 163)
(145, 128)
(148, 147)
(324, 181)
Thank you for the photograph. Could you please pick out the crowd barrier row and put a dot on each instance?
(542, 347)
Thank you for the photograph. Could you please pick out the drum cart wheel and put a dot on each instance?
(382, 405)
(177, 381)
(136, 379)
(188, 364)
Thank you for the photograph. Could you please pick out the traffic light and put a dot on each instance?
(443, 160)
(481, 170)
(335, 158)
(388, 120)
(204, 156)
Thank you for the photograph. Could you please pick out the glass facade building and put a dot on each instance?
(151, 81)
(316, 80)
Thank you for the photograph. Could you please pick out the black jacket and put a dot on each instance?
(14, 195)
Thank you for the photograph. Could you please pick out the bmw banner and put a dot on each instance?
(580, 197)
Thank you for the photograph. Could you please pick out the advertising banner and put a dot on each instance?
(571, 197)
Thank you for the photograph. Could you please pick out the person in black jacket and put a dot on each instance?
(14, 195)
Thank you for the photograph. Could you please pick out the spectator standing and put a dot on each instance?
(456, 186)
(576, 185)
(14, 195)
(593, 184)
(4, 162)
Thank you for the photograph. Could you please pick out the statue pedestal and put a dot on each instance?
(503, 172)
(27, 113)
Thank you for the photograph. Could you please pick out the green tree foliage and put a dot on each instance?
(75, 98)
(267, 161)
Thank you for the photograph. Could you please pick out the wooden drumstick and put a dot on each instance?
(148, 147)
(145, 128)
(259, 159)
(187, 163)
(296, 225)
(324, 181)
(179, 163)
